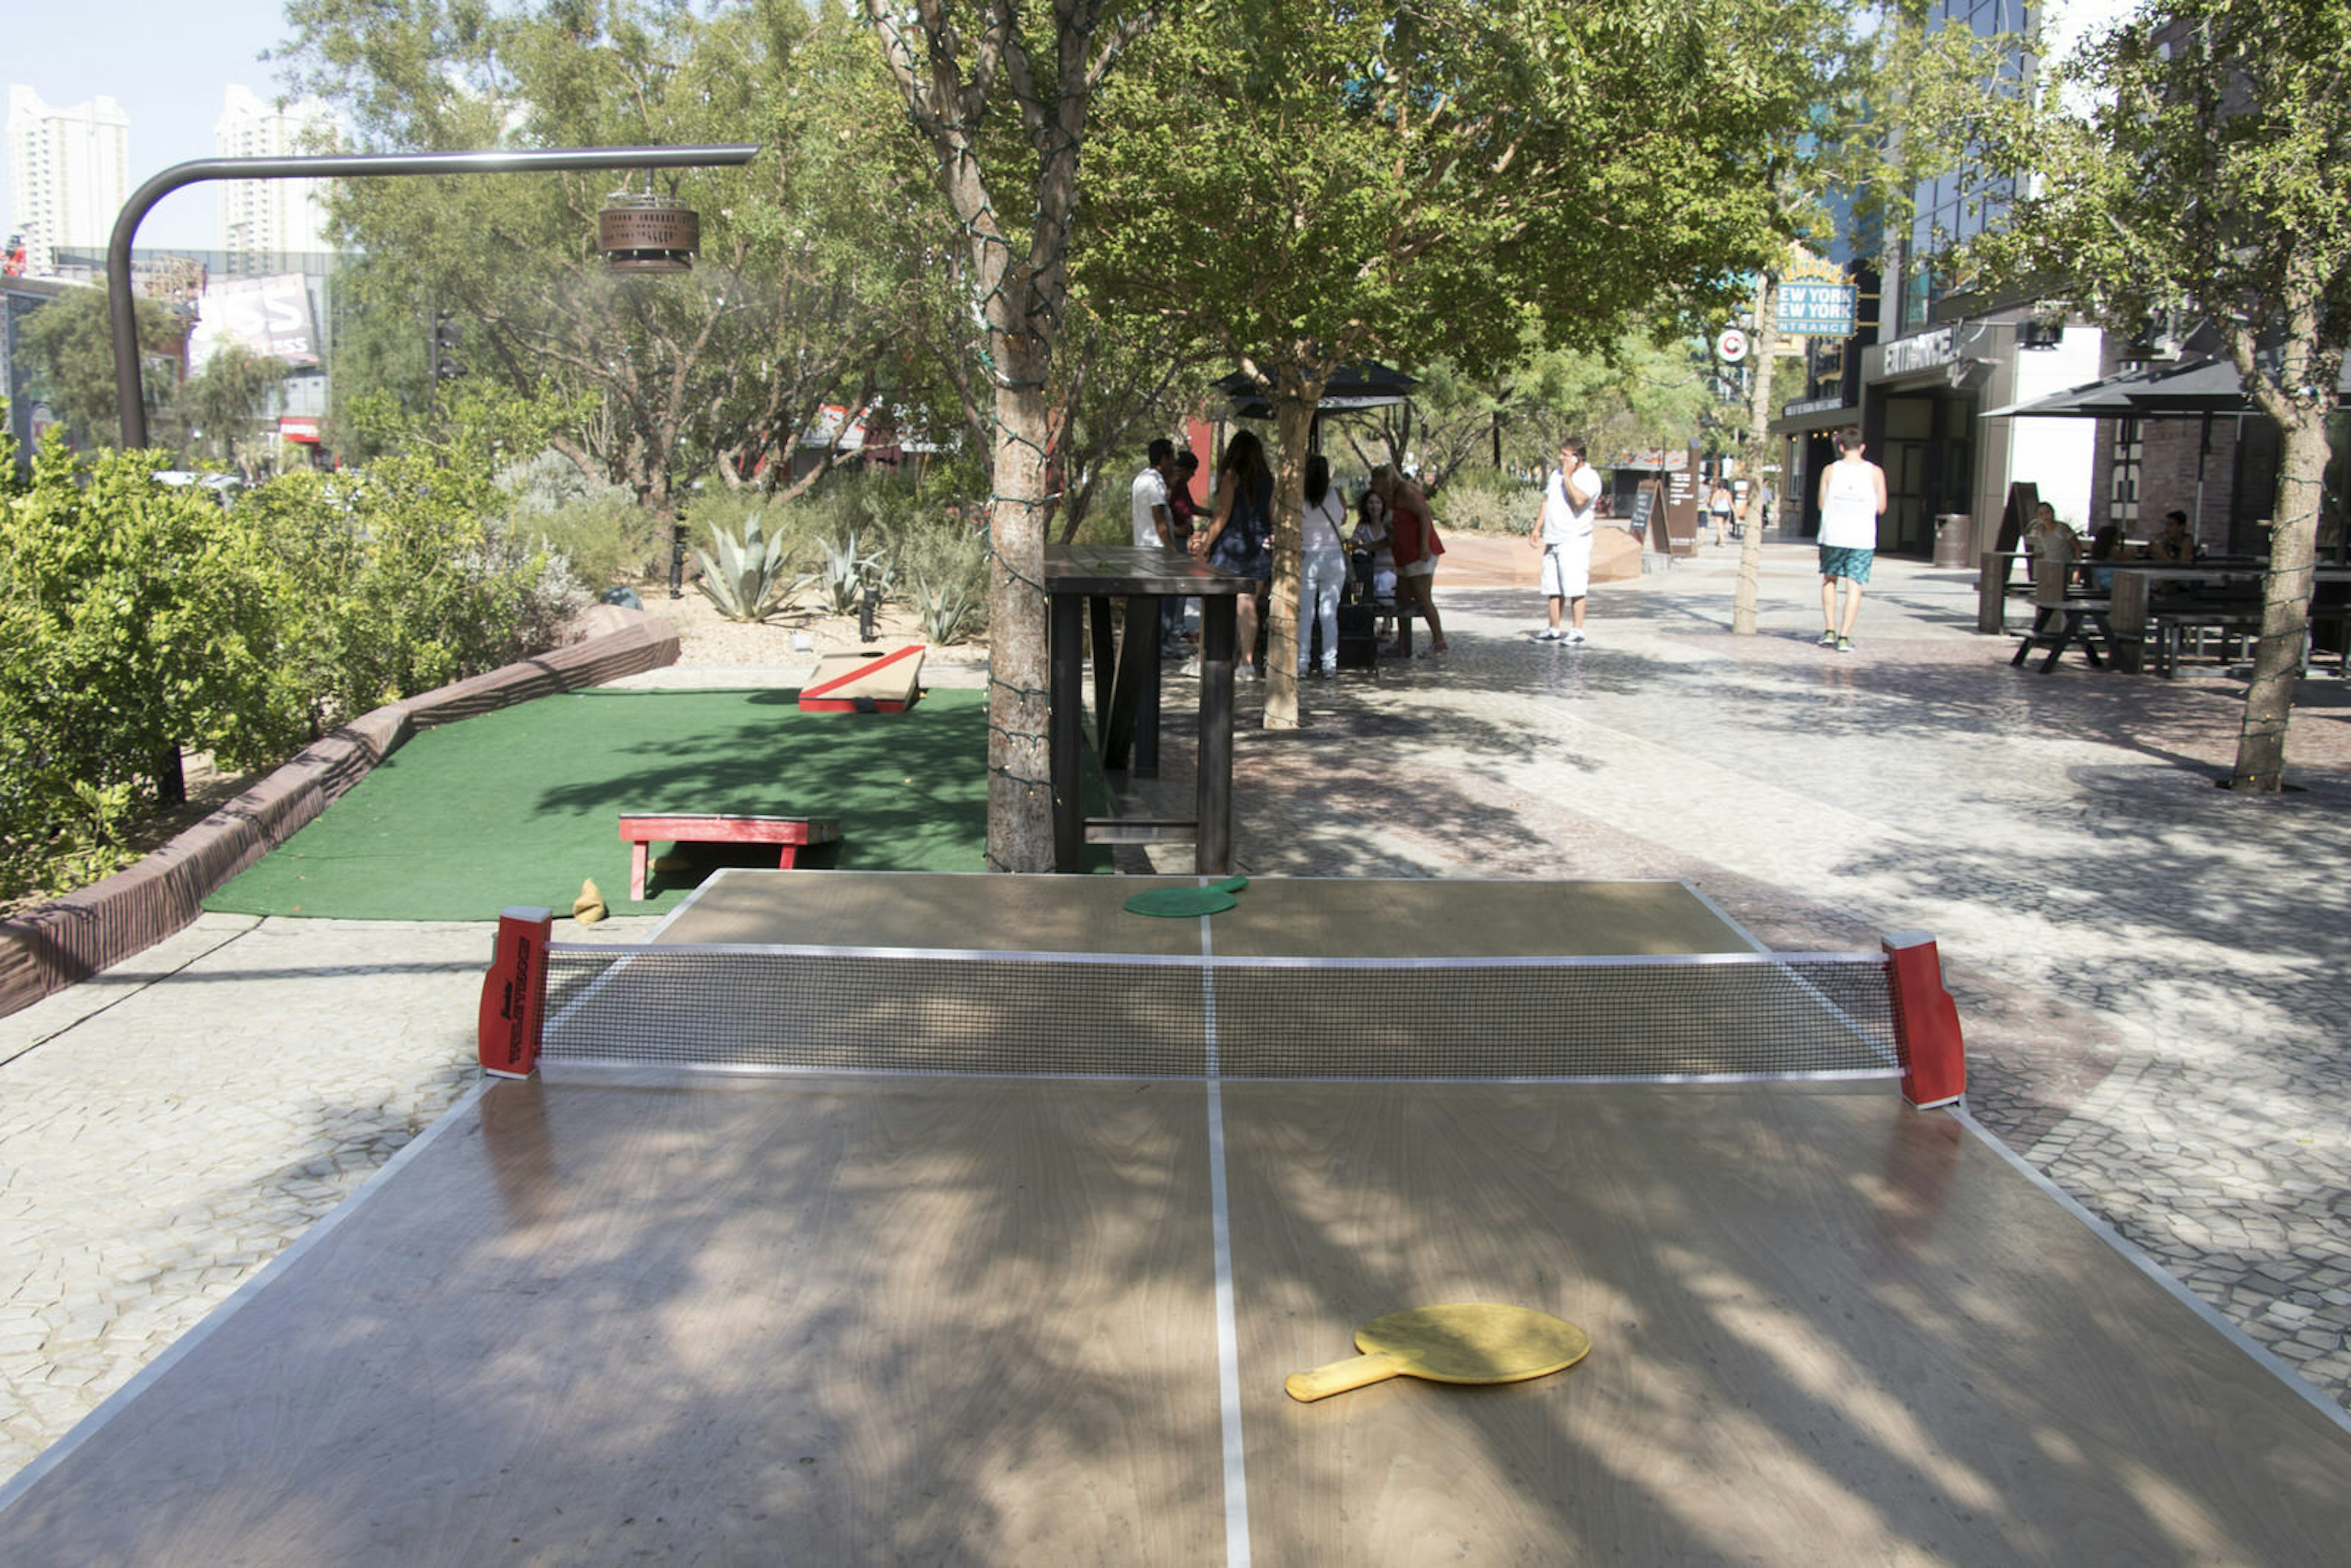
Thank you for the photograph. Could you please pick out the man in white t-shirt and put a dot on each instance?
(1154, 525)
(1154, 529)
(1853, 497)
(1563, 534)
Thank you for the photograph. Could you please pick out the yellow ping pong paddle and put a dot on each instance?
(1459, 1341)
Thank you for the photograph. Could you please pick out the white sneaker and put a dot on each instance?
(1576, 637)
(1549, 634)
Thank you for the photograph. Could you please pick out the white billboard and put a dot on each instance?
(265, 316)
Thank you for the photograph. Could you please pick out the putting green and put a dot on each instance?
(517, 807)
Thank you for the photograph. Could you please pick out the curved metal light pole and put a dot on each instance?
(131, 408)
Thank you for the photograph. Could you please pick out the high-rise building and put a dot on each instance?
(70, 171)
(270, 217)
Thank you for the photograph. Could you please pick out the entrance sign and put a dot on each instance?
(1809, 310)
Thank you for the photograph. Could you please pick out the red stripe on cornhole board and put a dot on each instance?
(827, 688)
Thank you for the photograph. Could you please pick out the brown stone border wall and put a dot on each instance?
(85, 931)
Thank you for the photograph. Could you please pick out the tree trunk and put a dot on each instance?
(1746, 597)
(1020, 766)
(2285, 605)
(1293, 423)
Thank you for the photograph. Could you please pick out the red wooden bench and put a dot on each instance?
(720, 827)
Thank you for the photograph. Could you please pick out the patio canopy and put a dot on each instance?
(2186, 390)
(1352, 387)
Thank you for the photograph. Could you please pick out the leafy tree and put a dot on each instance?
(1440, 180)
(71, 340)
(223, 405)
(712, 373)
(2211, 177)
(1002, 97)
(1891, 104)
(1638, 391)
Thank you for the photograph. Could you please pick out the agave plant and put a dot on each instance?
(951, 592)
(747, 580)
(850, 569)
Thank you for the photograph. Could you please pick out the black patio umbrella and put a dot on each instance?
(2192, 390)
(2202, 389)
(1351, 387)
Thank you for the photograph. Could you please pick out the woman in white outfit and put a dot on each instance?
(1326, 565)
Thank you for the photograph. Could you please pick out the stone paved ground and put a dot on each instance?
(2149, 968)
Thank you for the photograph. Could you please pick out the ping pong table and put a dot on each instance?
(1024, 1285)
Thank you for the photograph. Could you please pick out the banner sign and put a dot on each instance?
(1810, 308)
(269, 317)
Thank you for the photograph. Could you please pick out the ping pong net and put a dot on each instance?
(1676, 1018)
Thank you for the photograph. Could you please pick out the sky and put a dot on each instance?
(168, 65)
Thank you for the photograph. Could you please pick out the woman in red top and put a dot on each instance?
(1412, 536)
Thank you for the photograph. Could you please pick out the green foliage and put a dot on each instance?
(849, 567)
(606, 539)
(706, 375)
(141, 617)
(2206, 180)
(1480, 500)
(221, 405)
(747, 578)
(137, 617)
(70, 343)
(948, 568)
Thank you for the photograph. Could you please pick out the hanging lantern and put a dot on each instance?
(639, 230)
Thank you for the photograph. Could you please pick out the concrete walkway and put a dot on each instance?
(2149, 968)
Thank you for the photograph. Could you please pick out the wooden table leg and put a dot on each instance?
(1212, 843)
(1116, 732)
(637, 849)
(1146, 701)
(1064, 707)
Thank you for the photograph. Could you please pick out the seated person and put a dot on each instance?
(2174, 545)
(2106, 546)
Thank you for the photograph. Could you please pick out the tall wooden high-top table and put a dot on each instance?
(1126, 692)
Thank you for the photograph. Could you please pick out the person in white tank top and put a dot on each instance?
(1853, 497)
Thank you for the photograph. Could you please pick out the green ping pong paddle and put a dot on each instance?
(1173, 902)
(1459, 1341)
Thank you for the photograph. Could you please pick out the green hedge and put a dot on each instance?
(138, 617)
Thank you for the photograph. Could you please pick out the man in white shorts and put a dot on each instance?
(1571, 501)
(1853, 497)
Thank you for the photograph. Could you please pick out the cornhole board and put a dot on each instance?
(640, 831)
(865, 682)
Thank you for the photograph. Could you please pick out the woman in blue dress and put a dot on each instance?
(1239, 539)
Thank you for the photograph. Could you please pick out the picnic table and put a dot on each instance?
(2136, 605)
(1126, 692)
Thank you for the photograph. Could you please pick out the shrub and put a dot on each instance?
(605, 539)
(1483, 501)
(948, 568)
(136, 617)
(139, 617)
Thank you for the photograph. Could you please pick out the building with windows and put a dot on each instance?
(263, 218)
(1928, 363)
(70, 171)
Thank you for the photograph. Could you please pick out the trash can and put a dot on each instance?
(1953, 532)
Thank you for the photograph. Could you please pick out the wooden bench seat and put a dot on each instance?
(2169, 628)
(789, 833)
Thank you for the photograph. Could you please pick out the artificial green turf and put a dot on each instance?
(517, 807)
